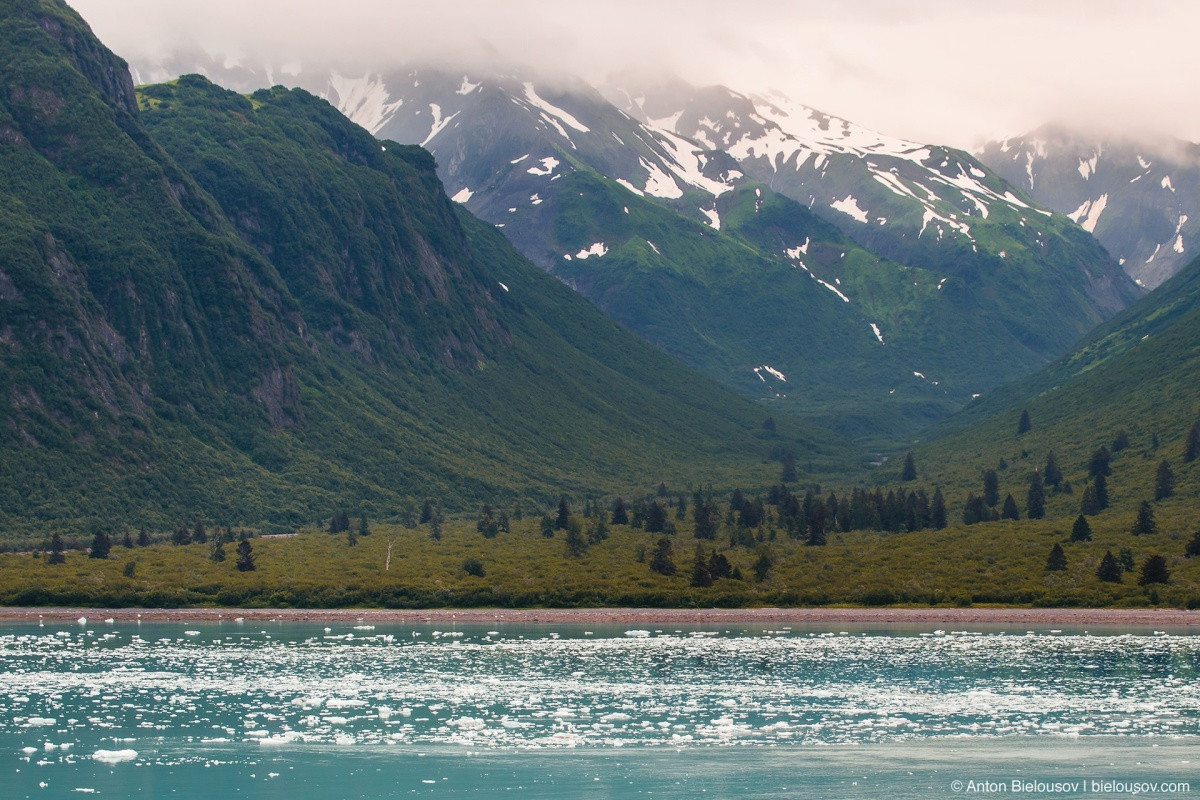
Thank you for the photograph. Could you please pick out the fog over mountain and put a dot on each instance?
(934, 70)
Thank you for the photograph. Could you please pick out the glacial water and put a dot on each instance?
(289, 710)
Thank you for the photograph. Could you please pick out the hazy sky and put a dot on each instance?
(947, 71)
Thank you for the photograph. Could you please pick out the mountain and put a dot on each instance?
(657, 221)
(1129, 386)
(1139, 197)
(248, 309)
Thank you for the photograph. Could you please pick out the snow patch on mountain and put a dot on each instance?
(533, 97)
(878, 335)
(1088, 214)
(597, 249)
(774, 373)
(549, 164)
(659, 183)
(462, 195)
(466, 87)
(849, 206)
(439, 123)
(365, 101)
(714, 219)
(631, 187)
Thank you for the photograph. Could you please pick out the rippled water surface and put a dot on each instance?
(297, 710)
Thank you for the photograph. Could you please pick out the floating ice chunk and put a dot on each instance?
(114, 756)
(41, 722)
(637, 634)
(502, 286)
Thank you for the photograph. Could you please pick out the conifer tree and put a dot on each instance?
(435, 525)
(245, 556)
(762, 565)
(516, 512)
(1192, 549)
(576, 543)
(1024, 425)
(1154, 570)
(216, 550)
(1120, 441)
(1100, 483)
(991, 488)
(547, 527)
(56, 550)
(1100, 462)
(656, 517)
(1057, 560)
(909, 472)
(599, 530)
(1164, 481)
(1010, 509)
(719, 566)
(620, 515)
(1089, 505)
(143, 539)
(1081, 531)
(974, 510)
(1036, 502)
(199, 534)
(681, 507)
(364, 529)
(700, 574)
(1109, 570)
(937, 512)
(503, 525)
(564, 514)
(1191, 444)
(661, 561)
(1144, 524)
(101, 545)
(1053, 473)
(351, 537)
(708, 519)
(1125, 559)
(787, 471)
(426, 511)
(181, 536)
(127, 542)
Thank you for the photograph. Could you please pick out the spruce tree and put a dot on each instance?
(1010, 509)
(1081, 531)
(656, 517)
(351, 537)
(143, 539)
(547, 527)
(599, 530)
(661, 561)
(1154, 570)
(620, 515)
(1125, 559)
(1192, 549)
(1144, 524)
(364, 529)
(909, 472)
(245, 556)
(681, 507)
(937, 512)
(1109, 570)
(762, 565)
(719, 566)
(435, 525)
(1088, 504)
(101, 545)
(1100, 463)
(1164, 481)
(1024, 425)
(1053, 473)
(199, 534)
(974, 510)
(700, 574)
(426, 511)
(576, 543)
(216, 550)
(56, 550)
(708, 519)
(1120, 441)
(991, 488)
(564, 514)
(787, 470)
(1191, 444)
(1101, 485)
(1057, 560)
(1036, 501)
(127, 542)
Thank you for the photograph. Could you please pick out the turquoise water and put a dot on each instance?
(298, 710)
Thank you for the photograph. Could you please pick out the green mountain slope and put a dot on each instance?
(1136, 374)
(282, 317)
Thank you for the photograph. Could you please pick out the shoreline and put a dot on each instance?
(624, 616)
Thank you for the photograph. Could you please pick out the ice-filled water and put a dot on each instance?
(351, 710)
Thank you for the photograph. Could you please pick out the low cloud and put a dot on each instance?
(939, 71)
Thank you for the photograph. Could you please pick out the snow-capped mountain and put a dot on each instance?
(1141, 199)
(668, 221)
(916, 203)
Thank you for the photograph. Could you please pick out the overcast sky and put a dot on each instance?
(945, 71)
